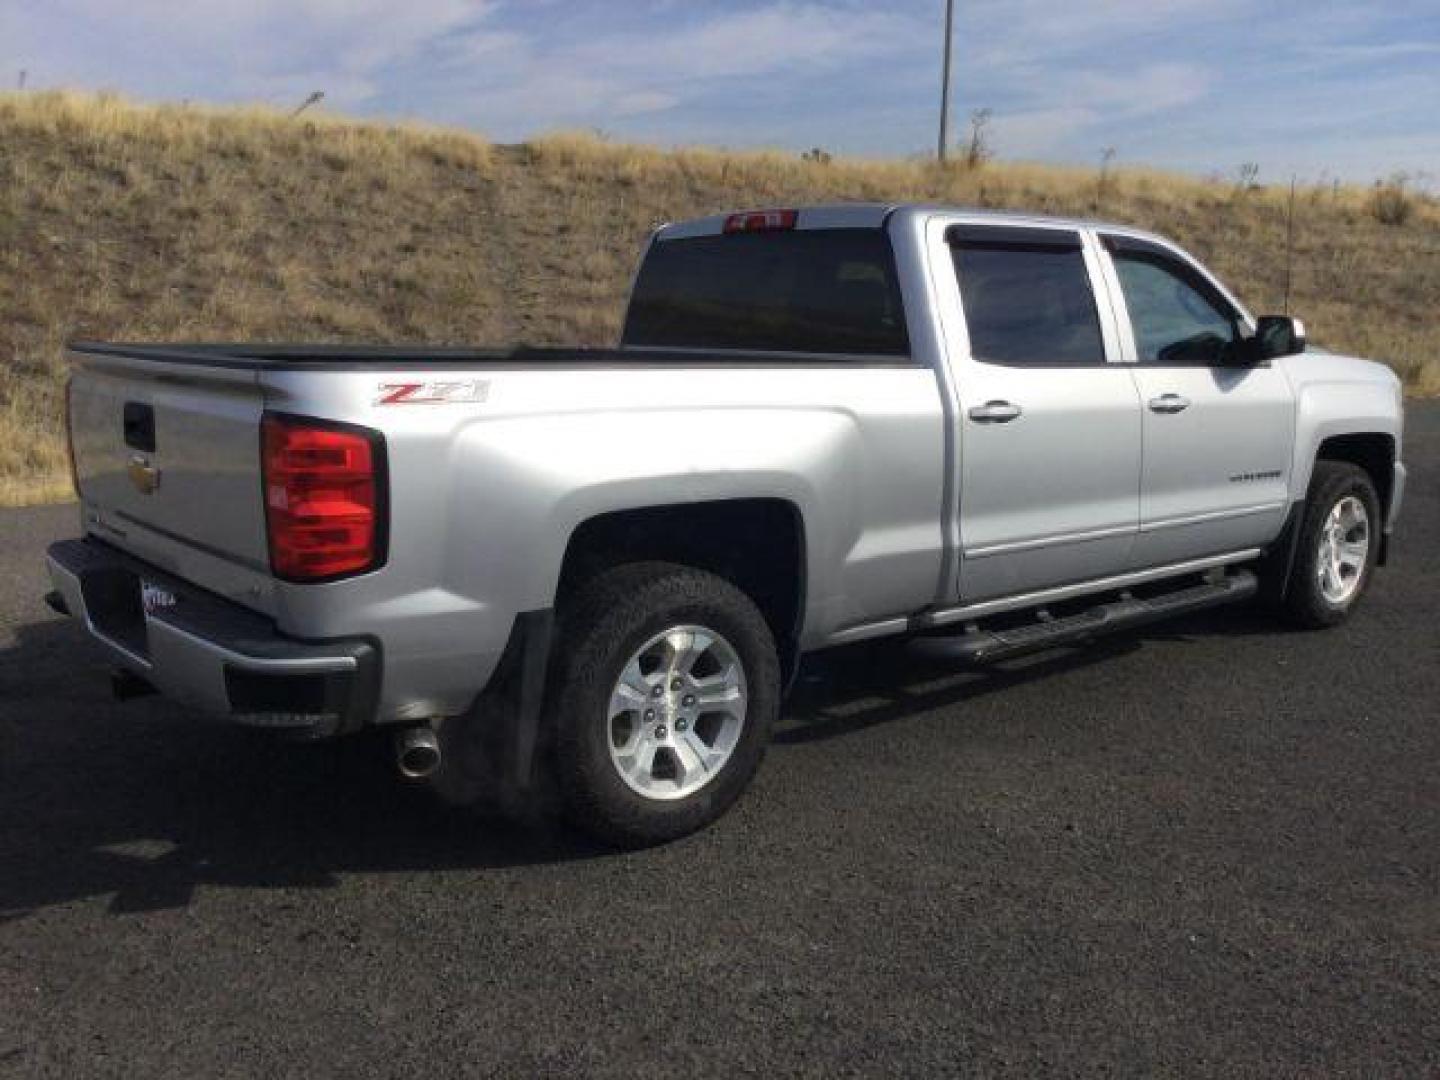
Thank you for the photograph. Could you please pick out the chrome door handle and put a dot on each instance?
(1169, 403)
(143, 475)
(994, 412)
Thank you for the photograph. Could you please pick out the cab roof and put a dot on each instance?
(876, 215)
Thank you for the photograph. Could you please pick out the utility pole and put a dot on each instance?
(945, 80)
(1289, 242)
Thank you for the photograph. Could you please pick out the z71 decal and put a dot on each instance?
(433, 392)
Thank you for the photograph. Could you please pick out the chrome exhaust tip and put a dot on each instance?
(417, 752)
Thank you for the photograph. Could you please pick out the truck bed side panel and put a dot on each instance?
(486, 494)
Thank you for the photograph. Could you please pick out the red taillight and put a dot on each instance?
(70, 436)
(762, 221)
(323, 491)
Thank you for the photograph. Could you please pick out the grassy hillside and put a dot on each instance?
(169, 222)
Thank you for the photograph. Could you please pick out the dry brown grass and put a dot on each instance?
(169, 222)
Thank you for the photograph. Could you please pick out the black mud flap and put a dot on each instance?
(530, 645)
(1279, 559)
(491, 752)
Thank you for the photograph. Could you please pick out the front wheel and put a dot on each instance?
(1337, 547)
(666, 686)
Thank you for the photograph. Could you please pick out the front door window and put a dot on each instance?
(1176, 316)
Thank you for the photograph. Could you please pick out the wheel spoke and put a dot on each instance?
(1332, 583)
(639, 764)
(693, 756)
(722, 688)
(632, 691)
(1353, 552)
(684, 648)
(725, 703)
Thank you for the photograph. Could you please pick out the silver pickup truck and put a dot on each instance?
(991, 433)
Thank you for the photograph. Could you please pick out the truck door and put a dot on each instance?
(1049, 418)
(1218, 437)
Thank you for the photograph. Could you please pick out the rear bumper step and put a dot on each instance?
(981, 646)
(207, 652)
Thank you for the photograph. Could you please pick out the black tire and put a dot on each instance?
(1305, 602)
(599, 629)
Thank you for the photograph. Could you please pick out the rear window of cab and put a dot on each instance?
(804, 291)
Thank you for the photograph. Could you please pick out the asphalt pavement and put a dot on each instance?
(1208, 848)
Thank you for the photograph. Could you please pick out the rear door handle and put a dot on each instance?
(994, 412)
(1169, 403)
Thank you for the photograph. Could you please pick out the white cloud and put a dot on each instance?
(1034, 132)
(505, 67)
(746, 43)
(256, 49)
(1141, 91)
(616, 74)
(1061, 34)
(644, 101)
(1394, 50)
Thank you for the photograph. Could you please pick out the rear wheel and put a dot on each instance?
(666, 686)
(1337, 547)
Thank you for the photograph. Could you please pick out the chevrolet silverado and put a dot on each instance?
(991, 433)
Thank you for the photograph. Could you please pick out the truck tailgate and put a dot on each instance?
(168, 455)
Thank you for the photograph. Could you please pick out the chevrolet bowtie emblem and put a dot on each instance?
(143, 475)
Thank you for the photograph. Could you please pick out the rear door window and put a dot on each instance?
(1027, 296)
(803, 291)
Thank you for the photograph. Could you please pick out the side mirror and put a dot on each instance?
(1276, 336)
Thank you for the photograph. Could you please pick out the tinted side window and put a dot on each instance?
(1176, 316)
(1027, 302)
(808, 290)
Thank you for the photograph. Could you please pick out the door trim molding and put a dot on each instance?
(1011, 546)
(1213, 515)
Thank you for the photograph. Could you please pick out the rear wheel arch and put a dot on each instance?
(756, 544)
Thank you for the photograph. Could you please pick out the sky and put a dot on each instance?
(1317, 88)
